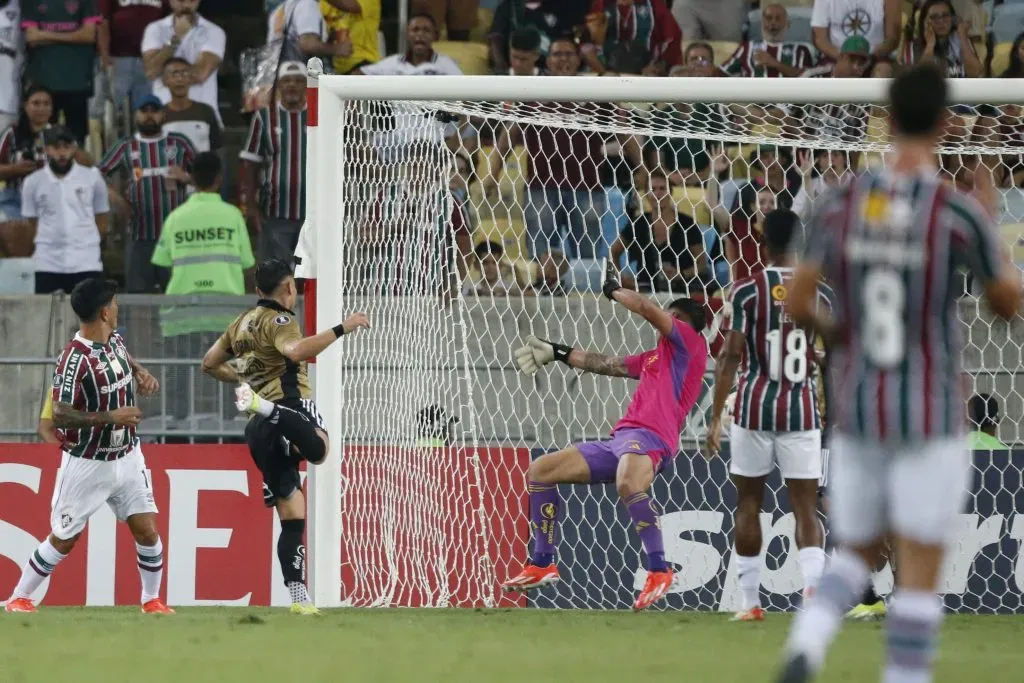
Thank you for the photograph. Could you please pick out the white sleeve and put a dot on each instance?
(216, 41)
(100, 199)
(819, 15)
(28, 197)
(384, 67)
(802, 202)
(449, 66)
(151, 37)
(305, 250)
(307, 19)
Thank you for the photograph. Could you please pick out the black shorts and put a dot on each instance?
(272, 453)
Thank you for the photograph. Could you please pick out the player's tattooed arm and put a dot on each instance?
(215, 364)
(66, 416)
(599, 363)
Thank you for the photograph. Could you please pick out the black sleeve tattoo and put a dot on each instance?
(66, 417)
(598, 363)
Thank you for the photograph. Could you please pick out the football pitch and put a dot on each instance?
(481, 646)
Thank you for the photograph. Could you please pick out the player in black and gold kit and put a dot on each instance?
(270, 354)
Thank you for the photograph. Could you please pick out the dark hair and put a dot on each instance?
(175, 60)
(779, 227)
(922, 18)
(1015, 69)
(23, 135)
(918, 100)
(205, 170)
(271, 273)
(699, 44)
(422, 15)
(983, 410)
(90, 296)
(484, 248)
(525, 39)
(566, 37)
(693, 310)
(658, 173)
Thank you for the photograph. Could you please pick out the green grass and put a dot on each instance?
(451, 646)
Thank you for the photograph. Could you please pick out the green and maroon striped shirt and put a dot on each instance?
(277, 141)
(146, 162)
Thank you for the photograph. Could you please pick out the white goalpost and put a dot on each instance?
(458, 248)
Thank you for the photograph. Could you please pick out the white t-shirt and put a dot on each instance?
(300, 17)
(67, 240)
(397, 65)
(12, 58)
(205, 36)
(845, 18)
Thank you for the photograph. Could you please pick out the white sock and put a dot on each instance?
(748, 575)
(298, 593)
(839, 589)
(912, 628)
(812, 564)
(151, 569)
(42, 563)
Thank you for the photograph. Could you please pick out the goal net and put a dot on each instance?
(463, 214)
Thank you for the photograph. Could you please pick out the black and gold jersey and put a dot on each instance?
(255, 339)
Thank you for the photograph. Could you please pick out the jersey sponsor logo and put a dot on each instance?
(282, 320)
(116, 386)
(219, 234)
(547, 511)
(779, 292)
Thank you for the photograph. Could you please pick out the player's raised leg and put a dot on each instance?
(567, 466)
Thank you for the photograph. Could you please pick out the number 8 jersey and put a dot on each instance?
(892, 247)
(777, 389)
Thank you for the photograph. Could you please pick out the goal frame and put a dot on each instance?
(325, 159)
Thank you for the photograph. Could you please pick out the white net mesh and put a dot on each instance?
(434, 511)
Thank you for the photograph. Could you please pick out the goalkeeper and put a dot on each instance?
(270, 356)
(641, 442)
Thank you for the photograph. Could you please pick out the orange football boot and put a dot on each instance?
(532, 577)
(156, 606)
(655, 588)
(23, 605)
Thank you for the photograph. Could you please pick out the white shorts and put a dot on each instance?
(84, 485)
(754, 453)
(914, 491)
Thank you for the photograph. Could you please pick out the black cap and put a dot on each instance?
(57, 134)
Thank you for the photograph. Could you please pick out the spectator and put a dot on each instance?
(837, 123)
(563, 186)
(820, 170)
(195, 120)
(12, 62)
(458, 16)
(524, 52)
(355, 22)
(698, 61)
(944, 38)
(206, 245)
(419, 58)
(299, 28)
(22, 149)
(773, 56)
(46, 431)
(1015, 69)
(983, 413)
(120, 45)
(490, 275)
(186, 34)
(622, 158)
(549, 277)
(276, 150)
(631, 36)
(711, 19)
(156, 166)
(62, 50)
(877, 21)
(665, 247)
(460, 184)
(743, 240)
(67, 207)
(549, 19)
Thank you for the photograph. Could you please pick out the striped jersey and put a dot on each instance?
(777, 389)
(277, 141)
(891, 246)
(741, 62)
(92, 378)
(14, 150)
(151, 192)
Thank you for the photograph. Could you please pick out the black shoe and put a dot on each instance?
(797, 670)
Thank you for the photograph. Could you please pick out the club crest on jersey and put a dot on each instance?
(779, 292)
(282, 320)
(56, 380)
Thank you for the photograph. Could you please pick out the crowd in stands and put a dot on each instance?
(672, 212)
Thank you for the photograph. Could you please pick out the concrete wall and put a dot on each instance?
(420, 352)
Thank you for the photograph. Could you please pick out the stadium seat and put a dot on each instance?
(1001, 58)
(510, 234)
(484, 19)
(691, 201)
(799, 24)
(1007, 22)
(471, 57)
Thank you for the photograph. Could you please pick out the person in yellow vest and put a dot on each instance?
(357, 21)
(46, 431)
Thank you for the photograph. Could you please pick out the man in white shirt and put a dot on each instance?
(186, 34)
(66, 203)
(419, 58)
(12, 62)
(833, 21)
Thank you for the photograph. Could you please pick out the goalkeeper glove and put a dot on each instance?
(538, 352)
(611, 285)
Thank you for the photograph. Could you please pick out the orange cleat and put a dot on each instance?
(655, 588)
(156, 606)
(532, 577)
(23, 605)
(752, 614)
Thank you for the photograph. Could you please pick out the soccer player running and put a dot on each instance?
(95, 415)
(777, 417)
(270, 357)
(890, 243)
(641, 442)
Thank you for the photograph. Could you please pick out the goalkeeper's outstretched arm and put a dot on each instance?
(310, 347)
(641, 305)
(539, 352)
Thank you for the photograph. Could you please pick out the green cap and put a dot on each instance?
(856, 45)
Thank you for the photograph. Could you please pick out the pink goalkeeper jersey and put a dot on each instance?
(671, 377)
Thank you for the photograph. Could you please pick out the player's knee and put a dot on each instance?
(64, 545)
(629, 484)
(321, 447)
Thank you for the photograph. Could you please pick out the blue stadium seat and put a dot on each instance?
(799, 24)
(1008, 22)
(720, 268)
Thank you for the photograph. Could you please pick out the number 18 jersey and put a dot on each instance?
(777, 390)
(892, 246)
